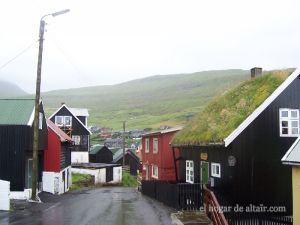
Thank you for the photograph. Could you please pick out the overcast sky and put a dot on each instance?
(108, 42)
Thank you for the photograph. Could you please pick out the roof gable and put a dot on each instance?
(228, 115)
(64, 106)
(16, 111)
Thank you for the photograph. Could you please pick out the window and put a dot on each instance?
(155, 145)
(59, 120)
(216, 169)
(189, 168)
(41, 120)
(76, 139)
(289, 122)
(147, 145)
(63, 121)
(154, 171)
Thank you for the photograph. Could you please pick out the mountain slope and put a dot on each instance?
(149, 102)
(8, 89)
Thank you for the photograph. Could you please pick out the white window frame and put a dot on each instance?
(189, 171)
(56, 121)
(214, 171)
(155, 171)
(65, 118)
(41, 115)
(147, 145)
(155, 145)
(76, 139)
(291, 121)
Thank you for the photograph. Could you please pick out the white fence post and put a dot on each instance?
(4, 195)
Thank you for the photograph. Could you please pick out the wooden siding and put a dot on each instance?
(14, 142)
(65, 156)
(104, 155)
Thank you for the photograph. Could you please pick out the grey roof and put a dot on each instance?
(119, 154)
(292, 157)
(79, 111)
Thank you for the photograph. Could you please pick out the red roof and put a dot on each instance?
(63, 136)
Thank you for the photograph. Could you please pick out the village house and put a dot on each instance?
(157, 155)
(132, 161)
(16, 145)
(73, 121)
(57, 176)
(236, 143)
(292, 158)
(100, 154)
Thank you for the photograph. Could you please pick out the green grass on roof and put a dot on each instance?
(225, 113)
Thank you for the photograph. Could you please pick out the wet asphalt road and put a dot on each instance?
(105, 206)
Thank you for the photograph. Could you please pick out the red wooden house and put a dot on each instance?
(157, 155)
(57, 161)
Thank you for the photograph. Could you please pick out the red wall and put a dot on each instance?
(52, 154)
(163, 159)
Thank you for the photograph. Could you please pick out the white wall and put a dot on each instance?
(79, 157)
(21, 195)
(54, 182)
(4, 195)
(117, 175)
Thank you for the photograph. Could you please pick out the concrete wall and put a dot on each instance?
(296, 195)
(21, 195)
(54, 182)
(4, 195)
(117, 175)
(79, 157)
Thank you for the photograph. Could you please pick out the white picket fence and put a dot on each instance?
(4, 195)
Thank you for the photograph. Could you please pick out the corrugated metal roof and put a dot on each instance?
(292, 156)
(16, 111)
(95, 149)
(79, 111)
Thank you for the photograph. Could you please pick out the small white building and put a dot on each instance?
(102, 173)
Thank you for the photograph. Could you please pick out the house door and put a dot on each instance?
(204, 172)
(28, 175)
(64, 180)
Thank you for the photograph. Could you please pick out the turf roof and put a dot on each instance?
(226, 112)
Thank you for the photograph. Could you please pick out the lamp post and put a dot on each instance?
(37, 103)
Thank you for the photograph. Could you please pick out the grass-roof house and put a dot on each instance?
(236, 143)
(16, 138)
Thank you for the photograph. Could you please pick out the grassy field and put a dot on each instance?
(150, 102)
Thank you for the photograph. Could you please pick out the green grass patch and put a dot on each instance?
(128, 180)
(80, 181)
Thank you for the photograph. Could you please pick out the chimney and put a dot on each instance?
(255, 72)
(62, 103)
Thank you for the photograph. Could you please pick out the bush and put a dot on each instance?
(128, 180)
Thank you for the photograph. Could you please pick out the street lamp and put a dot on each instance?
(37, 103)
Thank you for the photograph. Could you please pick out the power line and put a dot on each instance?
(21, 53)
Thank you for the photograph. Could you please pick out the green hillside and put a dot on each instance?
(8, 89)
(149, 102)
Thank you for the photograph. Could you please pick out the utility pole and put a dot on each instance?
(124, 124)
(36, 113)
(37, 103)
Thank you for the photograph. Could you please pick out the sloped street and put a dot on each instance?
(103, 206)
